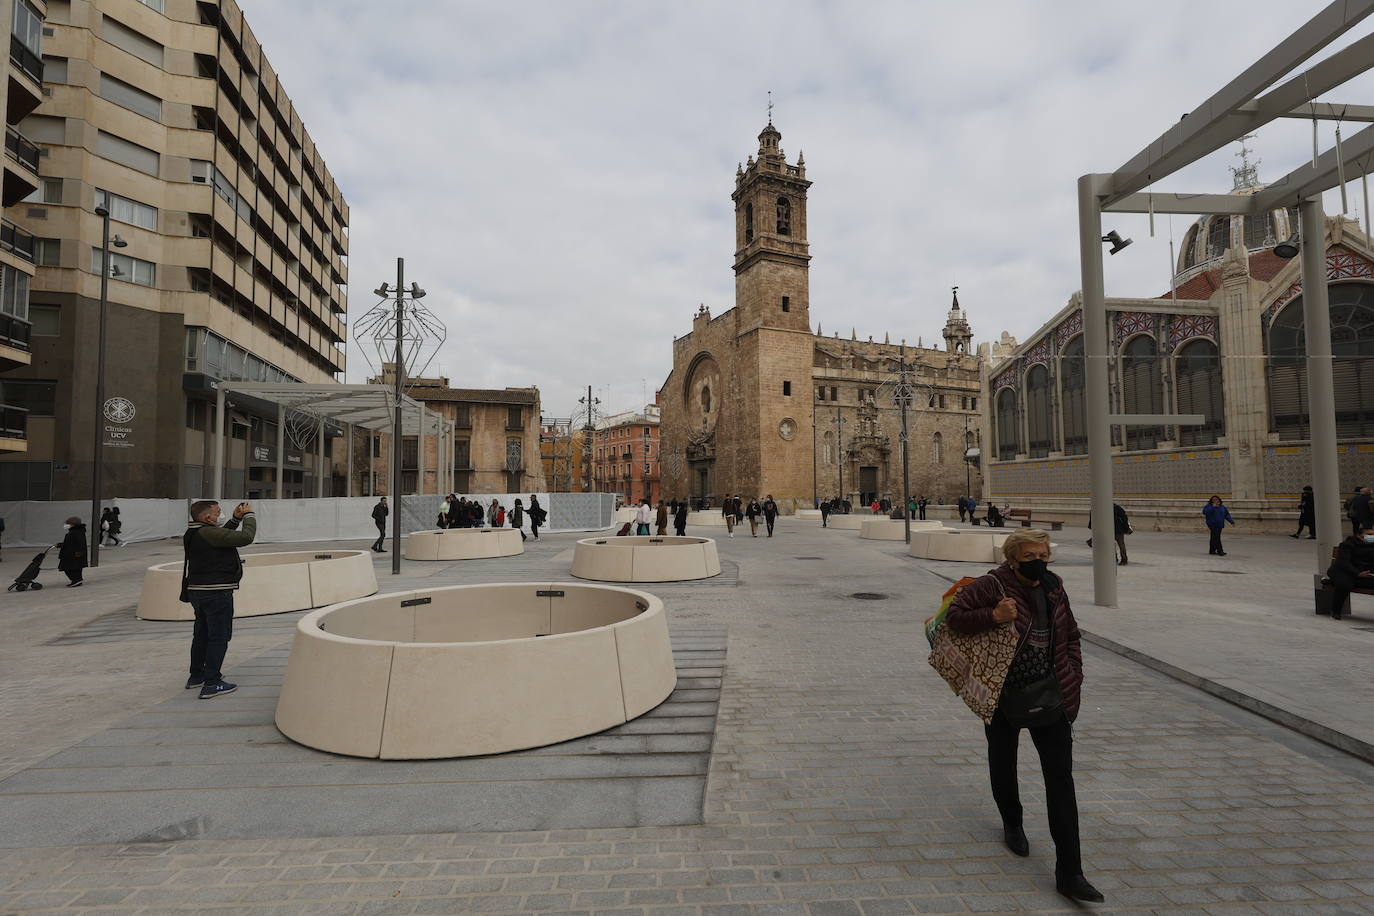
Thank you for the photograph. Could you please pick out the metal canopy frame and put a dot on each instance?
(1251, 100)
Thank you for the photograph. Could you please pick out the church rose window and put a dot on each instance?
(784, 216)
(1038, 412)
(1142, 390)
(1352, 365)
(1073, 385)
(1007, 446)
(1197, 371)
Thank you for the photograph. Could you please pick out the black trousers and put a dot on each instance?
(1055, 746)
(1215, 544)
(1121, 544)
(214, 628)
(770, 519)
(1308, 522)
(381, 536)
(73, 575)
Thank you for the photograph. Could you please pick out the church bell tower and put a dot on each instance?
(771, 252)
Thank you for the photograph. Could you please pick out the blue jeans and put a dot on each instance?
(213, 629)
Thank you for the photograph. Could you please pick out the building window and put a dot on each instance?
(820, 394)
(47, 252)
(45, 320)
(784, 216)
(942, 402)
(1007, 426)
(14, 293)
(50, 191)
(463, 416)
(1197, 378)
(1259, 231)
(410, 452)
(748, 222)
(1190, 248)
(126, 210)
(937, 448)
(514, 455)
(28, 28)
(834, 393)
(1142, 390)
(195, 414)
(377, 445)
(154, 4)
(123, 267)
(515, 418)
(787, 303)
(37, 396)
(1038, 412)
(706, 399)
(1073, 384)
(1218, 236)
(130, 97)
(787, 389)
(1352, 349)
(462, 454)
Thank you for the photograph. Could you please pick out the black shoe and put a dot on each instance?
(1015, 838)
(1292, 535)
(77, 584)
(1078, 888)
(1221, 553)
(1311, 537)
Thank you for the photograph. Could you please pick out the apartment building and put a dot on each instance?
(22, 91)
(233, 264)
(625, 455)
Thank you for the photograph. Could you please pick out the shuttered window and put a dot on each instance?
(1142, 389)
(1038, 412)
(1073, 386)
(1197, 371)
(1352, 367)
(1007, 425)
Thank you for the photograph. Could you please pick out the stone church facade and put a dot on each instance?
(758, 402)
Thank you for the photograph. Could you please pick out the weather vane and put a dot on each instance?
(770, 106)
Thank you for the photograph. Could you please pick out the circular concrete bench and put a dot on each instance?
(708, 518)
(645, 559)
(961, 546)
(810, 515)
(464, 543)
(625, 514)
(273, 583)
(888, 529)
(474, 669)
(851, 522)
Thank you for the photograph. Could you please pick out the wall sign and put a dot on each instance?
(119, 412)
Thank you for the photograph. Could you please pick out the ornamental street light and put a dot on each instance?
(98, 409)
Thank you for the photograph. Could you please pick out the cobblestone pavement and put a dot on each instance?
(844, 778)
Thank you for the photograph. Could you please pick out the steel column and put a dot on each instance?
(220, 406)
(281, 452)
(1321, 407)
(1095, 352)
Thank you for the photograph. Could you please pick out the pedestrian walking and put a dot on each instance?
(661, 518)
(770, 513)
(1121, 525)
(493, 514)
(825, 514)
(517, 519)
(963, 509)
(1352, 568)
(379, 514)
(727, 509)
(71, 554)
(114, 526)
(1307, 514)
(921, 508)
(1217, 515)
(680, 518)
(644, 516)
(972, 505)
(1041, 693)
(538, 515)
(211, 572)
(753, 511)
(876, 506)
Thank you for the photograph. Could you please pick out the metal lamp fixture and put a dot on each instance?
(1116, 241)
(1289, 247)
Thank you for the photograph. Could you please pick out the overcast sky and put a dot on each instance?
(558, 174)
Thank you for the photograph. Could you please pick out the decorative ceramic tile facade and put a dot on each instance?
(1167, 475)
(1183, 327)
(1040, 353)
(1008, 377)
(1067, 329)
(1128, 324)
(1288, 468)
(1341, 264)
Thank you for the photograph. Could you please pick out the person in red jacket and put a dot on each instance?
(1041, 693)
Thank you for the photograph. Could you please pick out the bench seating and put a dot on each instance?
(1024, 517)
(1324, 587)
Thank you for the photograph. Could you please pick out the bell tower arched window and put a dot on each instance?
(1218, 236)
(784, 216)
(937, 449)
(748, 223)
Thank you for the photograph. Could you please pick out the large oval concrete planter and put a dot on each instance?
(474, 669)
(273, 583)
(851, 522)
(887, 529)
(808, 515)
(645, 559)
(959, 546)
(464, 544)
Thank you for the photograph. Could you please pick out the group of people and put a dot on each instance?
(736, 510)
(461, 512)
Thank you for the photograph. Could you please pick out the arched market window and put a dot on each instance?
(1352, 351)
(1073, 384)
(1038, 412)
(1197, 374)
(1142, 390)
(1007, 427)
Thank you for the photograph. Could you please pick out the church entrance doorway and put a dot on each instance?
(868, 485)
(701, 484)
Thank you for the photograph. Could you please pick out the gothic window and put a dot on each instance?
(787, 303)
(1038, 411)
(784, 216)
(1352, 351)
(1073, 388)
(706, 399)
(828, 448)
(937, 449)
(1007, 446)
(1218, 236)
(1197, 373)
(1142, 390)
(748, 222)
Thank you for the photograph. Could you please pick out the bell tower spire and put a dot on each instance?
(958, 334)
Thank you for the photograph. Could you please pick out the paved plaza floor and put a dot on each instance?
(825, 768)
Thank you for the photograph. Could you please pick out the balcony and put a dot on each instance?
(25, 59)
(14, 332)
(13, 428)
(21, 149)
(15, 239)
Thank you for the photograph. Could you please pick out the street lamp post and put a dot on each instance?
(839, 450)
(815, 496)
(903, 398)
(97, 446)
(968, 464)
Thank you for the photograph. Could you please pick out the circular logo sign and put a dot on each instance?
(119, 410)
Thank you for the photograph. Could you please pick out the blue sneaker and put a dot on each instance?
(210, 691)
(193, 682)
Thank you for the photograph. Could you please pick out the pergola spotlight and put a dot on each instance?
(1116, 241)
(1288, 248)
(416, 292)
(384, 290)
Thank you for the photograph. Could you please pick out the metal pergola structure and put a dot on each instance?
(1251, 100)
(369, 407)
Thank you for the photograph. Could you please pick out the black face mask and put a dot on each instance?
(1034, 570)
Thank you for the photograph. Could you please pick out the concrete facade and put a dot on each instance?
(752, 403)
(170, 116)
(1225, 342)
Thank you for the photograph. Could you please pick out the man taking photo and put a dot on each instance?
(208, 581)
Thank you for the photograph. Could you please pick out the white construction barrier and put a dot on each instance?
(645, 559)
(273, 583)
(474, 669)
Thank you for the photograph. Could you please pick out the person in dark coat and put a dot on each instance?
(661, 518)
(71, 556)
(1353, 568)
(1023, 593)
(1121, 526)
(1217, 515)
(825, 513)
(1307, 515)
(379, 514)
(538, 516)
(921, 507)
(963, 509)
(680, 518)
(994, 516)
(517, 519)
(1362, 511)
(770, 513)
